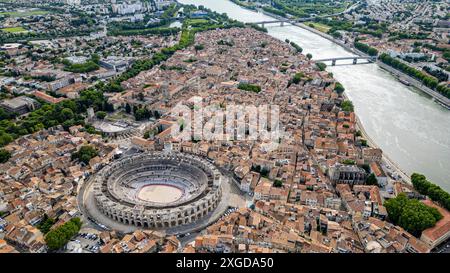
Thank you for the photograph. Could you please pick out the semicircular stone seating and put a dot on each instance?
(118, 187)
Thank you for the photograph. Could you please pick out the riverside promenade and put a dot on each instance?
(385, 158)
(444, 101)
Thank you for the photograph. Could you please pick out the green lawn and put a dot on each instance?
(13, 29)
(24, 13)
(319, 26)
(121, 115)
(197, 21)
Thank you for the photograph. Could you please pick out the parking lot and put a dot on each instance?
(442, 248)
(89, 242)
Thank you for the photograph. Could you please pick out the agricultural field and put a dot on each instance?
(23, 13)
(13, 29)
(319, 26)
(307, 8)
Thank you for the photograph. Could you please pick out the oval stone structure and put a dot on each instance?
(158, 189)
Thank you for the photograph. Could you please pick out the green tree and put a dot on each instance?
(5, 115)
(5, 138)
(141, 114)
(4, 155)
(347, 106)
(113, 87)
(58, 237)
(66, 114)
(298, 48)
(372, 180)
(366, 48)
(46, 224)
(249, 87)
(85, 154)
(423, 186)
(321, 66)
(199, 47)
(100, 114)
(87, 67)
(348, 162)
(278, 183)
(411, 214)
(127, 108)
(297, 77)
(339, 88)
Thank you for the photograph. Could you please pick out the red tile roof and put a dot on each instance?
(442, 227)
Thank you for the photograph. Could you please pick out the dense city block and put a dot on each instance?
(101, 150)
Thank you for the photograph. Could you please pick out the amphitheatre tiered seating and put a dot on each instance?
(118, 189)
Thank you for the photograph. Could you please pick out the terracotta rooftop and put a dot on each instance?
(442, 227)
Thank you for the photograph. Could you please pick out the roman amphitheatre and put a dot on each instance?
(156, 190)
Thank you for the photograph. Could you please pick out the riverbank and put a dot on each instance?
(315, 31)
(443, 101)
(385, 159)
(237, 2)
(331, 39)
(409, 126)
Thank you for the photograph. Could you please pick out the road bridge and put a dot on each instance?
(355, 59)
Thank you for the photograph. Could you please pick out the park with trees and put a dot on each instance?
(411, 214)
(425, 187)
(66, 113)
(249, 87)
(371, 51)
(60, 236)
(339, 88)
(88, 66)
(347, 106)
(85, 154)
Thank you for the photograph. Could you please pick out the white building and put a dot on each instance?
(129, 8)
(73, 2)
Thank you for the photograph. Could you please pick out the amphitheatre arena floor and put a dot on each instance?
(159, 193)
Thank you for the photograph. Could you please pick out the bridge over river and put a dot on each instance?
(410, 127)
(355, 59)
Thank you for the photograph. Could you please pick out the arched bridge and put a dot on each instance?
(283, 21)
(355, 59)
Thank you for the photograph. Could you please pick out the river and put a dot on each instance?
(408, 125)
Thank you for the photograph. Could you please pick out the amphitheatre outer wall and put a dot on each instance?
(110, 197)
